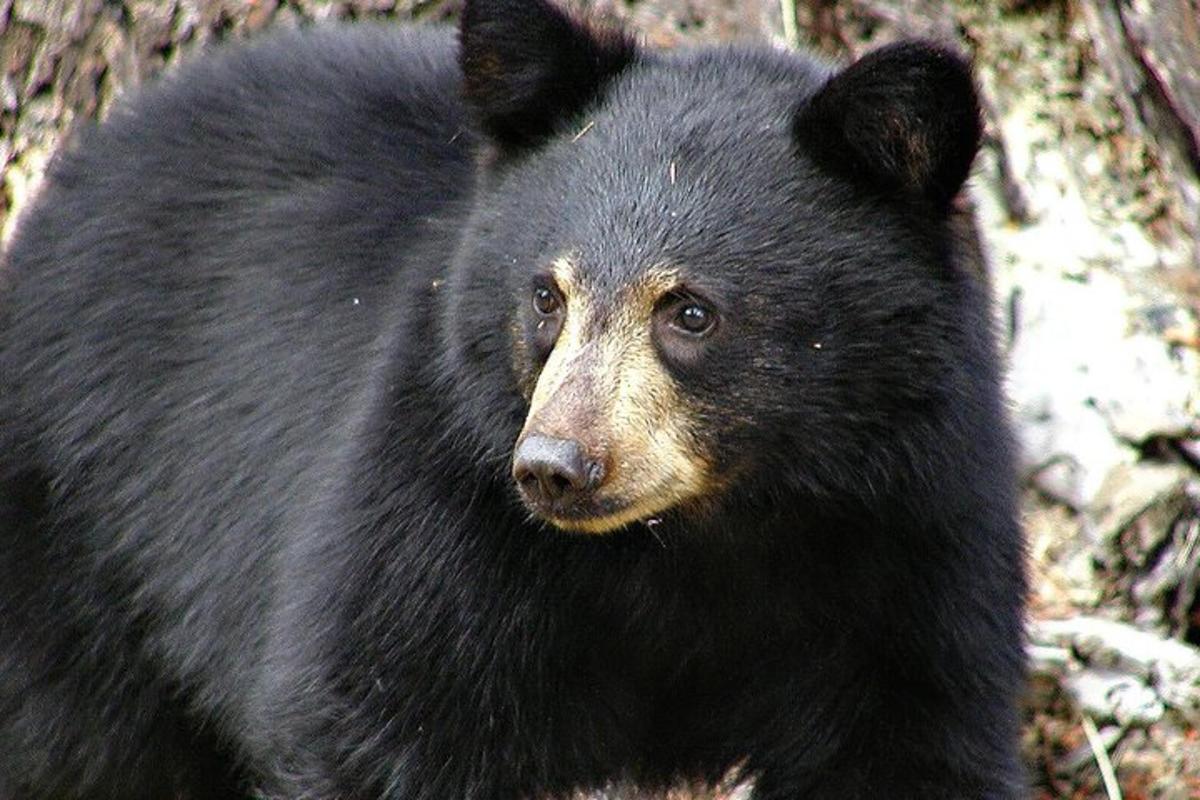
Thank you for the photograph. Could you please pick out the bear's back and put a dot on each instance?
(229, 227)
(195, 294)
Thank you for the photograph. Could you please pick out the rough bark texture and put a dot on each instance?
(67, 60)
(1151, 55)
(1088, 194)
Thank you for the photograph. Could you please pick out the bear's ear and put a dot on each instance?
(904, 118)
(529, 66)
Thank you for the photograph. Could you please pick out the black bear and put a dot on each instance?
(385, 414)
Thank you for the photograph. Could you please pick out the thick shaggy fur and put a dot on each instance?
(261, 370)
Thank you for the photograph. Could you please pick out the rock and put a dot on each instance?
(1116, 661)
(1152, 494)
(1114, 695)
(1087, 390)
(1150, 391)
(1067, 447)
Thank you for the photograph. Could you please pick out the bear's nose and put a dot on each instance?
(548, 468)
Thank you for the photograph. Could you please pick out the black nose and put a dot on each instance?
(548, 468)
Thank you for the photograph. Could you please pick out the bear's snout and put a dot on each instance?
(554, 472)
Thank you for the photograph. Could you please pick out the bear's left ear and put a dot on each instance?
(528, 66)
(904, 118)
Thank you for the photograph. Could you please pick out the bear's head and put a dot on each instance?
(717, 274)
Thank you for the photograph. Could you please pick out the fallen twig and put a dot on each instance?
(1100, 752)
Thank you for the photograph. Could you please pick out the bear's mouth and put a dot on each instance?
(600, 515)
(595, 515)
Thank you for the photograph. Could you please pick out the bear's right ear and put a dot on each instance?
(904, 119)
(529, 66)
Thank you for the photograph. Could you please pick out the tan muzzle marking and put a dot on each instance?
(605, 386)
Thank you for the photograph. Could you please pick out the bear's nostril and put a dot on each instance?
(528, 481)
(548, 468)
(557, 484)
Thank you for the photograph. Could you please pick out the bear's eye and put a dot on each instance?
(683, 327)
(547, 321)
(694, 319)
(545, 301)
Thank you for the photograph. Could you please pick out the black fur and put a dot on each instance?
(529, 67)
(258, 398)
(904, 118)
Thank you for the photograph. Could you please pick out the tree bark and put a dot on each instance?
(1152, 56)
